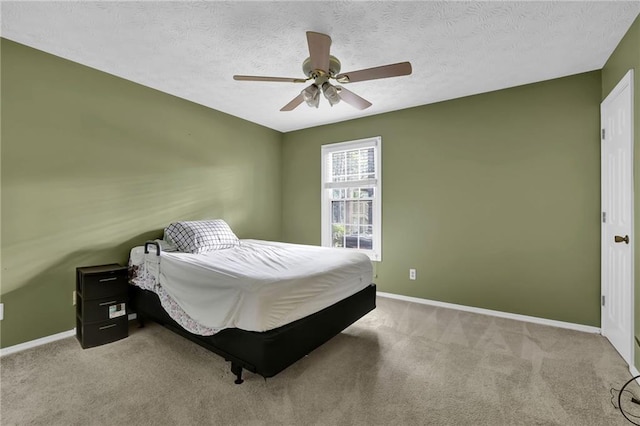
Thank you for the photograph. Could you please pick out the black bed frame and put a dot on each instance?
(265, 353)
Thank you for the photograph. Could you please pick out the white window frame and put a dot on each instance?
(375, 254)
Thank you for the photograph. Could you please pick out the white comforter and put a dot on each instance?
(261, 285)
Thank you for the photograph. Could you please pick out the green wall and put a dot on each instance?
(93, 165)
(493, 198)
(625, 57)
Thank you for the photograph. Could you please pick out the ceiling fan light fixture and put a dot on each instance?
(321, 67)
(331, 93)
(311, 95)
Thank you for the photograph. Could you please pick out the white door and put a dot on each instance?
(616, 115)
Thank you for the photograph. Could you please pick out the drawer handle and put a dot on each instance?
(107, 326)
(108, 279)
(108, 303)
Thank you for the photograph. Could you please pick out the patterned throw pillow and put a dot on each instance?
(201, 236)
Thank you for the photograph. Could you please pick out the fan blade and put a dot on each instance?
(293, 104)
(353, 99)
(393, 70)
(276, 79)
(319, 45)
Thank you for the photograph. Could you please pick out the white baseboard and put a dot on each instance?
(44, 340)
(500, 314)
(33, 343)
(571, 326)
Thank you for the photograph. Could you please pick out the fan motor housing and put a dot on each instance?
(334, 67)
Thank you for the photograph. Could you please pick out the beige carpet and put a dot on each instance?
(402, 364)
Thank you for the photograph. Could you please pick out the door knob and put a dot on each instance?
(619, 239)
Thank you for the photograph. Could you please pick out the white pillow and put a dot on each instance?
(201, 236)
(167, 245)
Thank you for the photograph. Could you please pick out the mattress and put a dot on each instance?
(256, 286)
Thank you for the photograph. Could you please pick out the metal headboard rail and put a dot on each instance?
(155, 243)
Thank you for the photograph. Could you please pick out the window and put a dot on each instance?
(351, 196)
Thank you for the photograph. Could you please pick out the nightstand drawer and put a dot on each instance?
(98, 286)
(105, 309)
(99, 333)
(101, 304)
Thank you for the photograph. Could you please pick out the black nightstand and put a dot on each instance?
(101, 304)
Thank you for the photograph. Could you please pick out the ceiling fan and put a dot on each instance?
(320, 67)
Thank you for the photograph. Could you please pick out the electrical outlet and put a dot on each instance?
(412, 274)
(73, 297)
(1, 311)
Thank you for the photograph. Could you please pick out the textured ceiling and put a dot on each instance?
(192, 49)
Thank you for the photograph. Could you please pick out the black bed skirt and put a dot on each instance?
(265, 353)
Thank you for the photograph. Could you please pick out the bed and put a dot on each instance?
(261, 305)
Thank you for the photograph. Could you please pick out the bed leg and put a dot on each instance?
(237, 370)
(140, 321)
